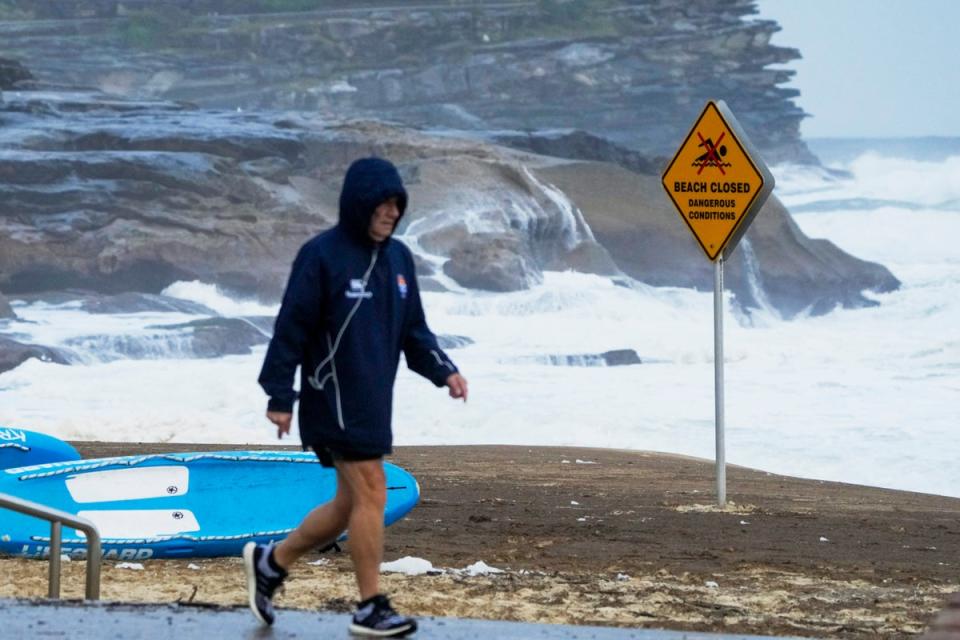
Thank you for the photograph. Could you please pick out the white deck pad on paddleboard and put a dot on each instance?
(129, 484)
(142, 523)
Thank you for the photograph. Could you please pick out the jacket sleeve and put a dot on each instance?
(420, 347)
(299, 315)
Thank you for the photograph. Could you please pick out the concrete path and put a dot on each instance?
(103, 621)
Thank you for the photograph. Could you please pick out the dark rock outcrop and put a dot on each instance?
(215, 337)
(13, 354)
(635, 72)
(212, 337)
(204, 338)
(620, 357)
(614, 358)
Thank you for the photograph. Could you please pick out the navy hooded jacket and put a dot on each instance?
(351, 306)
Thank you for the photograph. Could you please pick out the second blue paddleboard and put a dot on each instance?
(19, 448)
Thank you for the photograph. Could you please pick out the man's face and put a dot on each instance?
(384, 220)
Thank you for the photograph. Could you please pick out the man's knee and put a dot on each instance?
(367, 483)
(374, 496)
(376, 501)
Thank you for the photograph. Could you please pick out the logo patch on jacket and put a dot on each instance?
(402, 285)
(358, 290)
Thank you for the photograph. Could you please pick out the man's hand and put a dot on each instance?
(282, 420)
(458, 386)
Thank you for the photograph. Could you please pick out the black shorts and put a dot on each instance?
(327, 456)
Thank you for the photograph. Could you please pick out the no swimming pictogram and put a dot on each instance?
(711, 157)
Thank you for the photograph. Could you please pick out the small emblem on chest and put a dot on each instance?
(357, 289)
(402, 285)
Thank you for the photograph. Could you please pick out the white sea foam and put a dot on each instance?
(915, 181)
(212, 297)
(865, 396)
(88, 338)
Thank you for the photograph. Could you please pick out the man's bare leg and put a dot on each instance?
(319, 528)
(368, 487)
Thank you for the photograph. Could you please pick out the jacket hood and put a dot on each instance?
(369, 182)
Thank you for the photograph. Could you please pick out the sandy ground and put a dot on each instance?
(592, 536)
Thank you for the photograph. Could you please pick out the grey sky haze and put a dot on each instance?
(873, 68)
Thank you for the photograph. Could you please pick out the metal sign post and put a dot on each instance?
(718, 380)
(717, 183)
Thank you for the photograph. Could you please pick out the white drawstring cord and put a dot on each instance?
(313, 380)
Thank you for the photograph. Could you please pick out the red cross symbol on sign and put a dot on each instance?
(712, 156)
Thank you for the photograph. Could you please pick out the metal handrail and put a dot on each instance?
(57, 519)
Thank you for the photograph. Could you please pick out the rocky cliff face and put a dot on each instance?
(113, 195)
(634, 72)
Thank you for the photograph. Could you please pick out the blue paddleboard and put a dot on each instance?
(181, 505)
(20, 448)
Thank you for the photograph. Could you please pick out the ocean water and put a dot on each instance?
(868, 396)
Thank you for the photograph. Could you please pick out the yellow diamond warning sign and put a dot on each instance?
(716, 181)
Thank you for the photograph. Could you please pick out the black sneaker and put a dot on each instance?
(260, 587)
(375, 617)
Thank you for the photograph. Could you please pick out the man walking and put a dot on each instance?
(351, 306)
